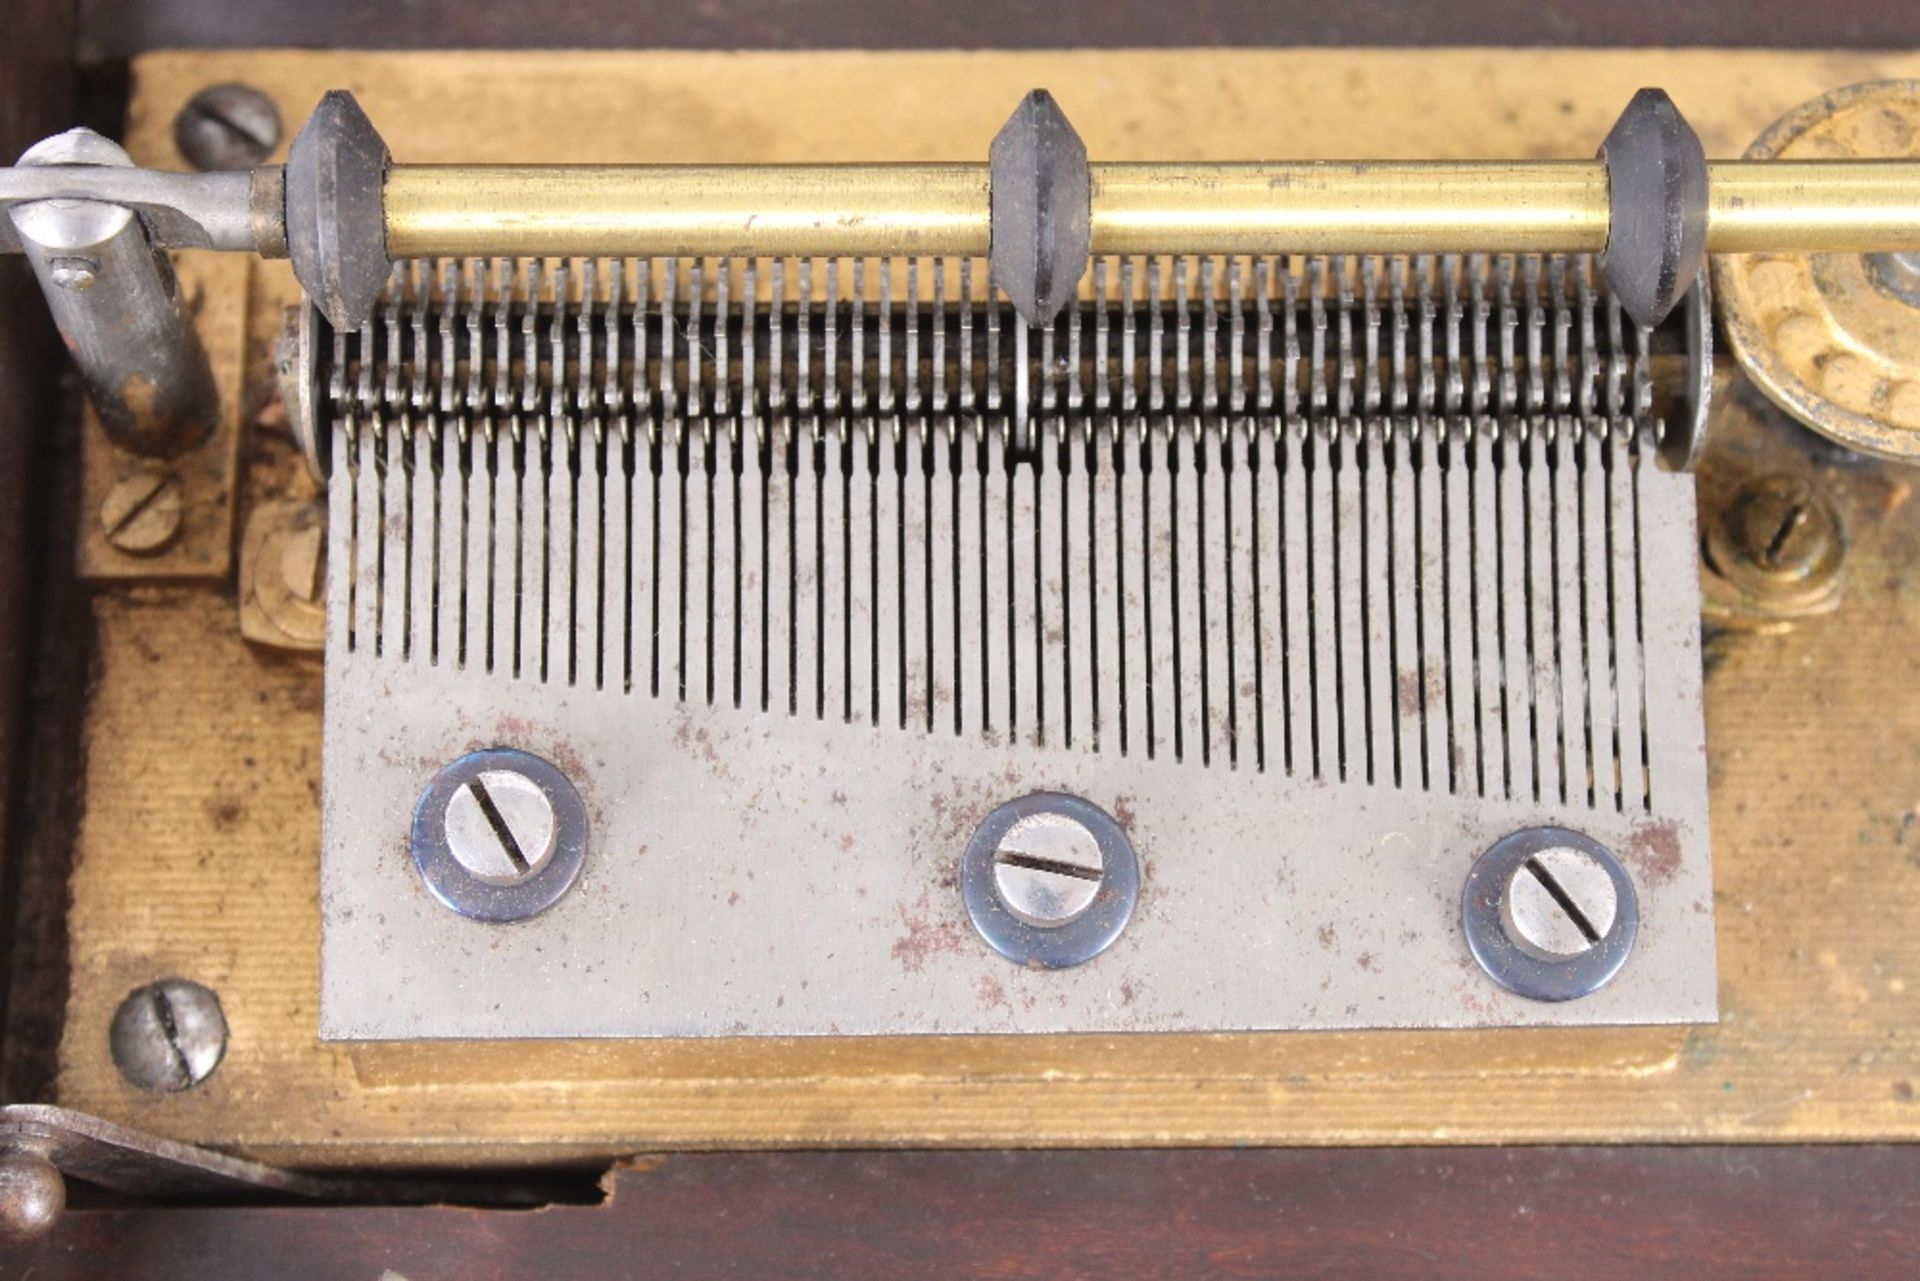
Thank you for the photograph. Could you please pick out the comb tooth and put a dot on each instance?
(1317, 323)
(968, 306)
(972, 624)
(642, 385)
(1566, 610)
(1482, 499)
(476, 650)
(1350, 671)
(1160, 728)
(1517, 657)
(944, 618)
(1603, 789)
(722, 334)
(1397, 358)
(589, 560)
(1562, 332)
(697, 585)
(1457, 603)
(1131, 729)
(1589, 400)
(1428, 577)
(1536, 402)
(410, 540)
(1263, 343)
(1183, 323)
(890, 693)
(1156, 339)
(1048, 398)
(1426, 395)
(611, 328)
(803, 341)
(1071, 318)
(1236, 337)
(560, 666)
(1403, 576)
(750, 395)
(1547, 770)
(830, 364)
(1616, 372)
(1509, 393)
(696, 340)
(1215, 634)
(776, 333)
(559, 366)
(367, 527)
(857, 355)
(1376, 618)
(530, 600)
(617, 573)
(939, 320)
(1079, 593)
(1343, 336)
(993, 348)
(884, 345)
(1370, 334)
(586, 339)
(1623, 479)
(912, 328)
(917, 702)
(669, 382)
(1102, 302)
(1482, 382)
(1456, 381)
(1022, 389)
(1129, 396)
(1209, 339)
(1242, 557)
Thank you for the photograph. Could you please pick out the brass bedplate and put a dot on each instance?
(201, 816)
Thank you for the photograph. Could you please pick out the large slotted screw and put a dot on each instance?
(227, 127)
(169, 1036)
(499, 835)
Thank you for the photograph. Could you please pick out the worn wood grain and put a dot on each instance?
(199, 847)
(1478, 1215)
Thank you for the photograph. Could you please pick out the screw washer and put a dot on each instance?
(499, 835)
(1027, 907)
(1532, 944)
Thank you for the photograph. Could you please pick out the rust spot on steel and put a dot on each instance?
(1654, 851)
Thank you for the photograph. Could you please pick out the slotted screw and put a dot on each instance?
(499, 835)
(168, 1036)
(229, 126)
(1780, 527)
(500, 826)
(141, 513)
(1048, 869)
(1559, 903)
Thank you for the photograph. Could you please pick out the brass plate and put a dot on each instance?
(198, 854)
(1811, 329)
(218, 297)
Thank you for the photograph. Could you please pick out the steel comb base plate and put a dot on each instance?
(1312, 671)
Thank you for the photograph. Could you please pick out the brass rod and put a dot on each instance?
(1306, 207)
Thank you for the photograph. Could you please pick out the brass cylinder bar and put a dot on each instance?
(1306, 207)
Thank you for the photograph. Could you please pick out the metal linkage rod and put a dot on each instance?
(1355, 207)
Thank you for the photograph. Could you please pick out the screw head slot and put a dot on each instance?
(1550, 914)
(499, 835)
(1050, 880)
(168, 1036)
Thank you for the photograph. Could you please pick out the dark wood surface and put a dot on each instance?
(36, 431)
(117, 29)
(1479, 1214)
